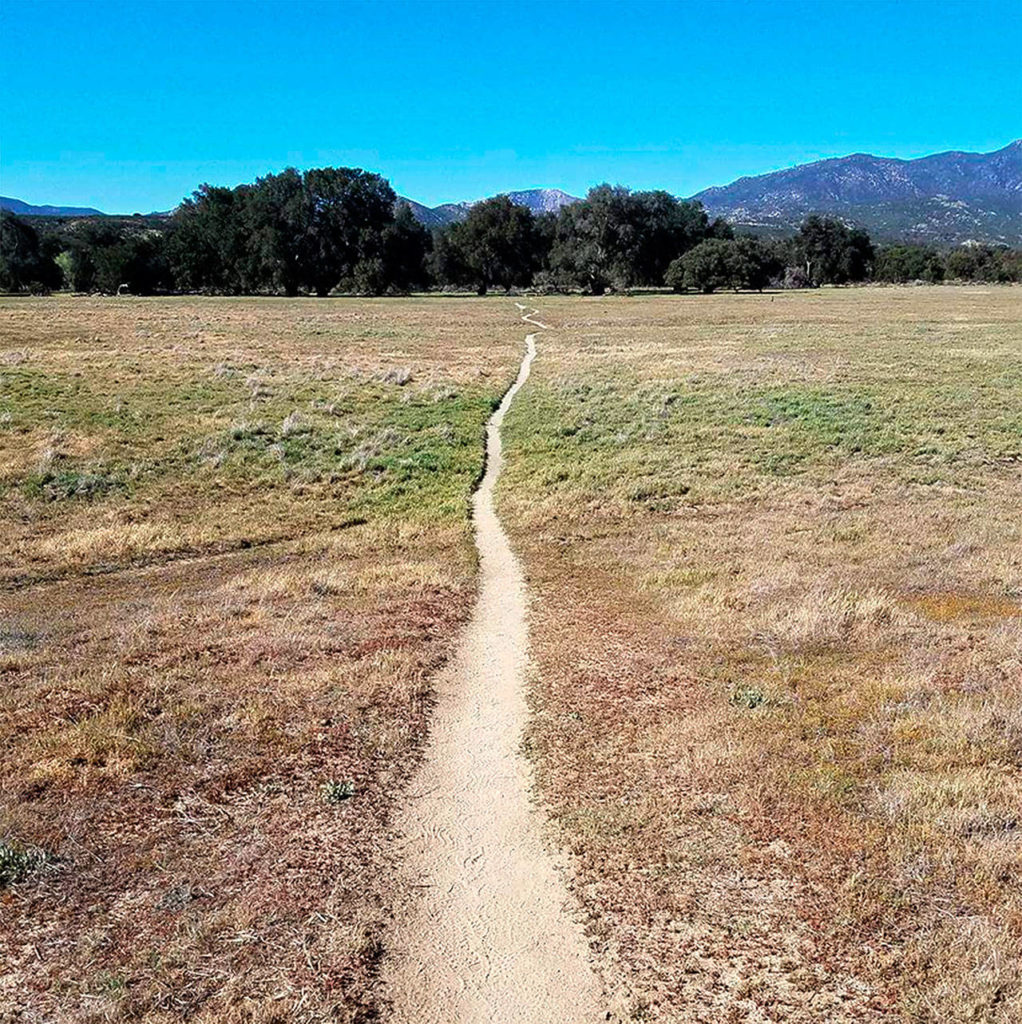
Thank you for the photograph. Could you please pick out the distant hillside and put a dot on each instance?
(539, 200)
(28, 210)
(949, 197)
(542, 200)
(437, 216)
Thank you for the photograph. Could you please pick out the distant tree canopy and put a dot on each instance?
(207, 245)
(327, 228)
(406, 248)
(25, 263)
(901, 263)
(734, 263)
(985, 263)
(497, 245)
(833, 253)
(343, 229)
(103, 256)
(619, 239)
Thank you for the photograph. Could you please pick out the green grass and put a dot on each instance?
(237, 550)
(669, 439)
(773, 543)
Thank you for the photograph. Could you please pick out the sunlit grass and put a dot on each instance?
(236, 551)
(774, 542)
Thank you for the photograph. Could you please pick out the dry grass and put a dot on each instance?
(774, 549)
(236, 551)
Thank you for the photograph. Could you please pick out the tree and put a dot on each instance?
(346, 212)
(665, 228)
(136, 261)
(496, 245)
(328, 227)
(723, 263)
(208, 241)
(406, 247)
(831, 253)
(720, 228)
(24, 263)
(592, 246)
(900, 263)
(619, 239)
(84, 240)
(104, 254)
(705, 268)
(275, 224)
(985, 263)
(448, 263)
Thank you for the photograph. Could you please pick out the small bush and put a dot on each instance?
(336, 792)
(399, 376)
(749, 697)
(294, 423)
(17, 863)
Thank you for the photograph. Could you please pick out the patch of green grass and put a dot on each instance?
(392, 449)
(17, 863)
(64, 483)
(336, 792)
(719, 437)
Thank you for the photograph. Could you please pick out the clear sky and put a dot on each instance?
(129, 106)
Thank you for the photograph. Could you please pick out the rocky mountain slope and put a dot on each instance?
(539, 200)
(949, 197)
(437, 216)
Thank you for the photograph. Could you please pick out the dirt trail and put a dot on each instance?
(488, 935)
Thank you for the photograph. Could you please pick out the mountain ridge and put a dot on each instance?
(538, 200)
(23, 209)
(949, 197)
(943, 198)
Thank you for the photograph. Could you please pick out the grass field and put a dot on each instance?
(774, 552)
(773, 544)
(236, 548)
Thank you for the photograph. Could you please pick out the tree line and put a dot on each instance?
(344, 230)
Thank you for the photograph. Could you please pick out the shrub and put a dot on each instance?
(17, 863)
(336, 792)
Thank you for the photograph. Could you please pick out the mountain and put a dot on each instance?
(949, 197)
(436, 216)
(539, 200)
(542, 200)
(27, 210)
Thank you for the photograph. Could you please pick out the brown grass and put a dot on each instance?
(773, 543)
(236, 552)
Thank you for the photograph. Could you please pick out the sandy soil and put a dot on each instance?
(488, 933)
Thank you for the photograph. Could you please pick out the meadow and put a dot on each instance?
(774, 557)
(773, 549)
(236, 550)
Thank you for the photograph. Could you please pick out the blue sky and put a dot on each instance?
(129, 106)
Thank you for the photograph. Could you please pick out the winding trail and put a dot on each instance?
(487, 935)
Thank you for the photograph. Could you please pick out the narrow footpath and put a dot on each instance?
(489, 935)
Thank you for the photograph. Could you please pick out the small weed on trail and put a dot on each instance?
(17, 863)
(335, 792)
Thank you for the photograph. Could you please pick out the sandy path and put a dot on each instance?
(488, 935)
